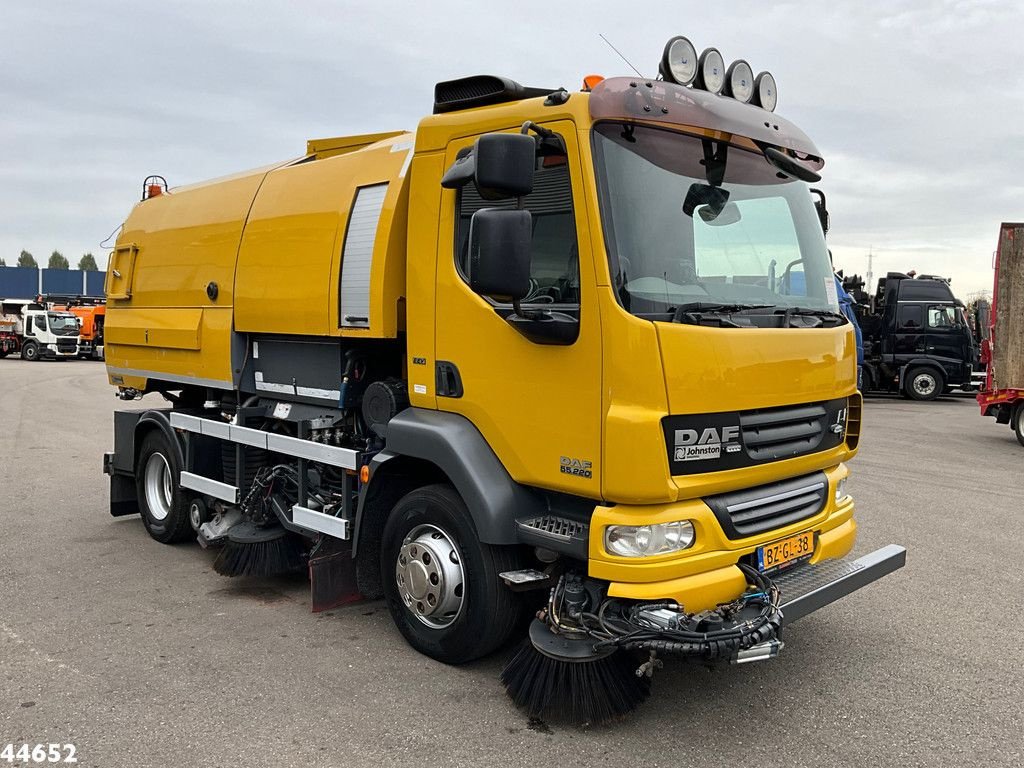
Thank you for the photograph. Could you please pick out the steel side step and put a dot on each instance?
(806, 589)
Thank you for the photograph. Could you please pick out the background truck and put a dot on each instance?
(1003, 350)
(538, 358)
(8, 336)
(40, 333)
(916, 337)
(91, 313)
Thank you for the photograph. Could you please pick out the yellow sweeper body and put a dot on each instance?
(267, 289)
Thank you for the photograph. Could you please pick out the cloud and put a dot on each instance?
(916, 107)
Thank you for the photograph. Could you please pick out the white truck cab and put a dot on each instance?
(42, 333)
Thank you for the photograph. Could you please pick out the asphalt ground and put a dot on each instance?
(139, 654)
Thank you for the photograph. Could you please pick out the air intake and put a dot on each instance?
(481, 91)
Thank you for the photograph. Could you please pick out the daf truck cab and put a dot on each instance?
(584, 346)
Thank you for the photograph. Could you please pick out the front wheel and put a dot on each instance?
(30, 351)
(441, 583)
(162, 504)
(923, 383)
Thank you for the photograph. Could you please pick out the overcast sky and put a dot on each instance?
(918, 107)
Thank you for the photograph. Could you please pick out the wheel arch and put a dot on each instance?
(425, 447)
(151, 421)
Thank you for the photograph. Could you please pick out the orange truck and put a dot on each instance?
(91, 312)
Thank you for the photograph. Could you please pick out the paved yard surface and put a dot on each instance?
(141, 655)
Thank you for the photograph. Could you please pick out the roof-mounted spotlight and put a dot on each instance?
(679, 62)
(711, 71)
(765, 94)
(739, 81)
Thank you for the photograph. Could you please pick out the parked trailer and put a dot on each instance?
(1003, 350)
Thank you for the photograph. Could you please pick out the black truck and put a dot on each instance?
(916, 337)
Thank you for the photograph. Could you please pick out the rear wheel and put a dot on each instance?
(1018, 422)
(923, 383)
(30, 351)
(441, 583)
(162, 504)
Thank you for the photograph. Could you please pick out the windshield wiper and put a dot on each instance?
(788, 312)
(680, 313)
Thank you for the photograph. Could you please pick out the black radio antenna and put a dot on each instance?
(620, 54)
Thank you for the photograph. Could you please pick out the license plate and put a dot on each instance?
(785, 552)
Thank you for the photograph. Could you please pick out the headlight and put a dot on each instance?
(739, 81)
(765, 94)
(711, 68)
(648, 540)
(679, 62)
(840, 489)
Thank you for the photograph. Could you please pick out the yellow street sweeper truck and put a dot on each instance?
(568, 357)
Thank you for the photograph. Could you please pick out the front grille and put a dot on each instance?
(767, 507)
(777, 433)
(66, 345)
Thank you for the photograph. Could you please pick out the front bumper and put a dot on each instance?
(807, 588)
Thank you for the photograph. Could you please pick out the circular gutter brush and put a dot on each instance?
(252, 550)
(554, 676)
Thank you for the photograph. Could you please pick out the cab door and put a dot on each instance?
(537, 404)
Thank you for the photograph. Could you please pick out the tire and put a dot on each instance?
(30, 351)
(923, 383)
(453, 625)
(1017, 422)
(162, 504)
(3, 354)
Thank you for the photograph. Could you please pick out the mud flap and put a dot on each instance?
(332, 575)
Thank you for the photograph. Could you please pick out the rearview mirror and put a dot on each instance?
(821, 209)
(499, 253)
(500, 164)
(730, 214)
(713, 198)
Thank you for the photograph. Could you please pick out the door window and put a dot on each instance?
(39, 323)
(554, 257)
(910, 317)
(941, 317)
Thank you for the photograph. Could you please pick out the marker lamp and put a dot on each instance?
(648, 540)
(711, 69)
(841, 489)
(765, 94)
(739, 81)
(679, 62)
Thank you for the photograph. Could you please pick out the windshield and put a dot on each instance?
(693, 222)
(63, 325)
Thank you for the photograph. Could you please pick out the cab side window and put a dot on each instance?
(39, 323)
(554, 264)
(941, 317)
(909, 317)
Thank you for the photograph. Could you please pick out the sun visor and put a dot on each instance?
(657, 101)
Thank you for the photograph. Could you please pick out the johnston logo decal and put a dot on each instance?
(709, 443)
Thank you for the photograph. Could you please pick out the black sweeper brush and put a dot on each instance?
(253, 550)
(553, 676)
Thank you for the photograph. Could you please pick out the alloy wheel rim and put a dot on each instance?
(430, 577)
